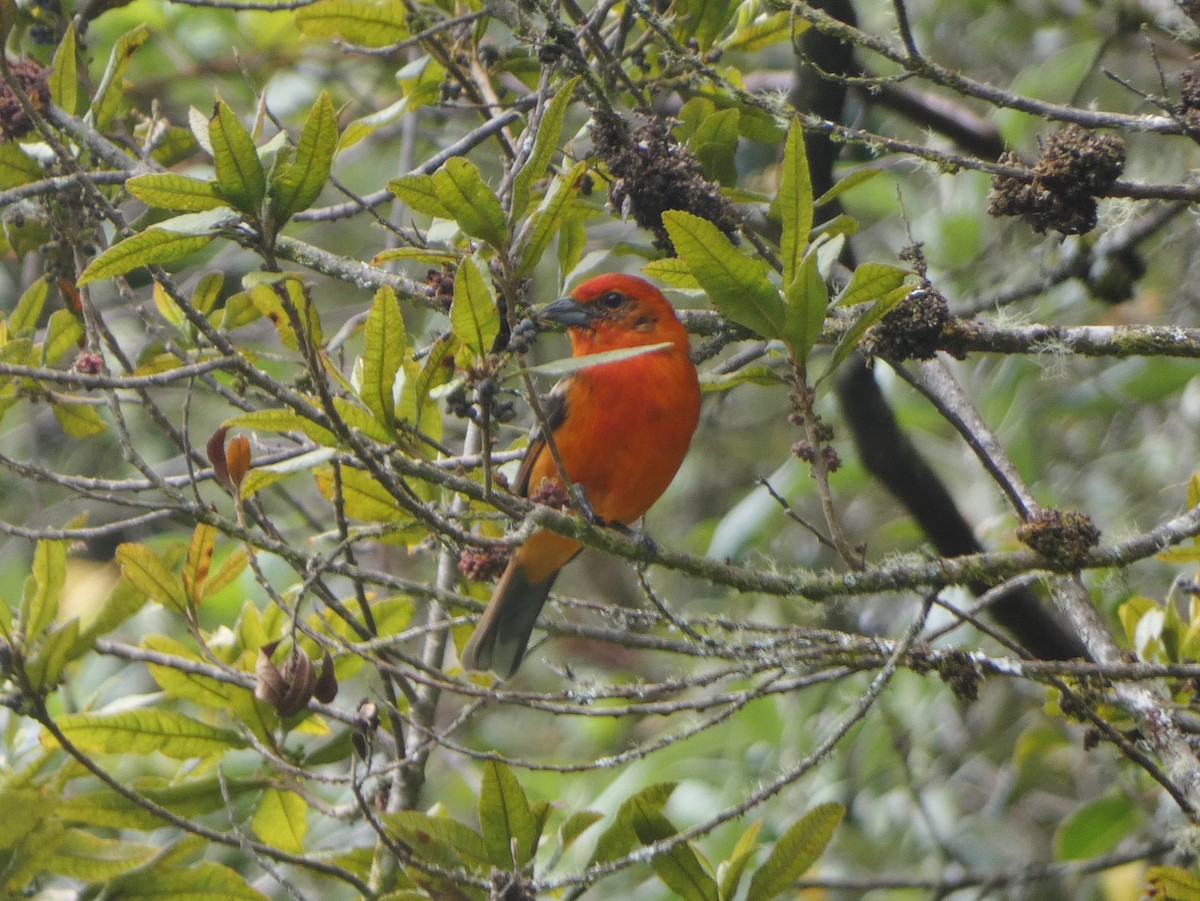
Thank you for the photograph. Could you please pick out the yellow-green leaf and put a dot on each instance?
(240, 176)
(24, 318)
(545, 143)
(79, 420)
(281, 820)
(736, 284)
(545, 221)
(386, 345)
(154, 245)
(169, 191)
(795, 203)
(199, 558)
(796, 851)
(471, 203)
(679, 868)
(808, 299)
(474, 313)
(39, 603)
(17, 167)
(200, 881)
(145, 731)
(179, 682)
(360, 22)
(363, 497)
(298, 184)
(420, 193)
(83, 856)
(64, 75)
(63, 332)
(506, 822)
(109, 92)
(150, 575)
(225, 574)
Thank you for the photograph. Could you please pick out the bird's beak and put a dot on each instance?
(567, 311)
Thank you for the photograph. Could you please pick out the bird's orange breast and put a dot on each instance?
(626, 431)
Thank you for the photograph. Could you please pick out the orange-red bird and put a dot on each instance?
(621, 429)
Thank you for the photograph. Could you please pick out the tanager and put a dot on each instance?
(621, 430)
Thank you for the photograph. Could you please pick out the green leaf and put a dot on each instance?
(199, 881)
(59, 647)
(231, 567)
(575, 825)
(505, 818)
(64, 75)
(429, 255)
(620, 837)
(179, 683)
(79, 420)
(440, 839)
(679, 868)
(363, 497)
(281, 820)
(17, 167)
(83, 856)
(240, 177)
(715, 144)
(63, 332)
(363, 128)
(1172, 884)
(672, 271)
(471, 203)
(545, 221)
(30, 855)
(360, 22)
(39, 603)
(736, 284)
(854, 334)
(144, 731)
(1096, 828)
(297, 185)
(24, 318)
(154, 245)
(729, 873)
(796, 851)
(282, 420)
(795, 201)
(420, 193)
(273, 299)
(169, 191)
(150, 575)
(871, 281)
(706, 19)
(386, 345)
(545, 144)
(808, 300)
(853, 180)
(475, 313)
(208, 291)
(764, 32)
(108, 94)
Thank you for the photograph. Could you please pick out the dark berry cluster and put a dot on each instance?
(653, 174)
(1075, 167)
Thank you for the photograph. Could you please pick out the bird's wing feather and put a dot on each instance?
(554, 406)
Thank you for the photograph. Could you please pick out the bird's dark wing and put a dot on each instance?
(554, 406)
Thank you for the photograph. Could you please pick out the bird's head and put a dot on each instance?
(616, 310)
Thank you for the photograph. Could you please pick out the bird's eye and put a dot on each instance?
(612, 300)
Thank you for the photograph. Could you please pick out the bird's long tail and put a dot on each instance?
(500, 639)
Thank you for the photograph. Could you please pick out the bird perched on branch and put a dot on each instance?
(621, 430)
